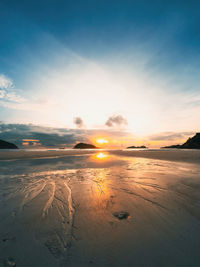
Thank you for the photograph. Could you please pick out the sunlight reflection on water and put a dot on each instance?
(100, 156)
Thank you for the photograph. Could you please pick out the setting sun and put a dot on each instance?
(102, 141)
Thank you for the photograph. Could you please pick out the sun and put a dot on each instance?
(101, 141)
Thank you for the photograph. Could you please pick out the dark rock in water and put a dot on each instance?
(136, 147)
(84, 146)
(191, 143)
(7, 145)
(121, 215)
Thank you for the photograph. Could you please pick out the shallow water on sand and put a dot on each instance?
(61, 212)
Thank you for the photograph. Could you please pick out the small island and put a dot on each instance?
(135, 147)
(7, 145)
(84, 146)
(191, 143)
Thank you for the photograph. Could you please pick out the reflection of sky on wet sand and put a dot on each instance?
(59, 163)
(67, 204)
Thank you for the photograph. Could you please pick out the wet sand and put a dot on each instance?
(182, 155)
(61, 211)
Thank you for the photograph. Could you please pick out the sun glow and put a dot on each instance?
(102, 141)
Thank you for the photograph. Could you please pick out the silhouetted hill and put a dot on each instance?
(191, 143)
(136, 147)
(84, 146)
(7, 145)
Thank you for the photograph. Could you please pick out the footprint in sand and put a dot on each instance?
(121, 215)
(9, 262)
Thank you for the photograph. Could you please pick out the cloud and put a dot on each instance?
(116, 120)
(170, 136)
(62, 137)
(5, 82)
(58, 137)
(49, 137)
(78, 122)
(7, 91)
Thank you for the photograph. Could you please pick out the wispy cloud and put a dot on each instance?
(8, 93)
(5, 82)
(170, 136)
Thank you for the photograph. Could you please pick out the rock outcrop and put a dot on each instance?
(7, 145)
(84, 146)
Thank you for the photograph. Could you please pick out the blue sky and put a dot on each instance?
(97, 59)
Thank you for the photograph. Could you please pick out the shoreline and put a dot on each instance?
(175, 155)
(187, 156)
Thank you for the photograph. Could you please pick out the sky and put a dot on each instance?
(105, 67)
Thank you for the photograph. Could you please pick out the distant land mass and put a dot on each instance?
(129, 147)
(84, 146)
(7, 145)
(191, 143)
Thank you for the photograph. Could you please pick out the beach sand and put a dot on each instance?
(59, 208)
(183, 155)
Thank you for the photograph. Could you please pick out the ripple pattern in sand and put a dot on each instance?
(43, 203)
